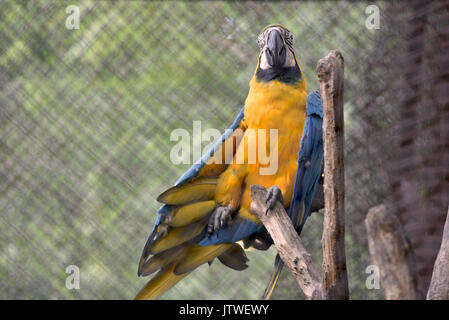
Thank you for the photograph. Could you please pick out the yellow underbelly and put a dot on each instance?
(277, 116)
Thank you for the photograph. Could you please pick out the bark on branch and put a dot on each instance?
(288, 243)
(391, 252)
(330, 70)
(439, 285)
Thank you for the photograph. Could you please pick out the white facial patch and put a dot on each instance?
(287, 37)
(263, 61)
(290, 60)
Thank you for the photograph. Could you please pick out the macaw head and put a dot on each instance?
(277, 59)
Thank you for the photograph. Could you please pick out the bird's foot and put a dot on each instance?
(219, 218)
(273, 194)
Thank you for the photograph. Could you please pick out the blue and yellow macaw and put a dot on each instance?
(208, 210)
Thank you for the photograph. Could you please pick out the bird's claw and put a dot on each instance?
(273, 194)
(219, 218)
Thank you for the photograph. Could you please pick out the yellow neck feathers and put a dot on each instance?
(270, 102)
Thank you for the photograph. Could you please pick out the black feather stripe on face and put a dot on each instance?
(288, 75)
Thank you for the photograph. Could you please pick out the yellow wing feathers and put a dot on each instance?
(163, 259)
(221, 158)
(176, 263)
(161, 282)
(198, 190)
(177, 236)
(197, 255)
(173, 252)
(181, 216)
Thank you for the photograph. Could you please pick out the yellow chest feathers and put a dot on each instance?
(275, 105)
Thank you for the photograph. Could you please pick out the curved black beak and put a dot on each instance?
(276, 52)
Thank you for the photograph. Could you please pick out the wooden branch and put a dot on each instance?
(288, 243)
(391, 252)
(439, 285)
(330, 70)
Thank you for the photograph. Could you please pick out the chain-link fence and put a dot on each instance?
(86, 115)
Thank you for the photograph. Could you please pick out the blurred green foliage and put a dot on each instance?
(85, 121)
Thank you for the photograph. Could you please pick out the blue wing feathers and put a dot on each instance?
(310, 162)
(196, 168)
(238, 230)
(314, 104)
(193, 171)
